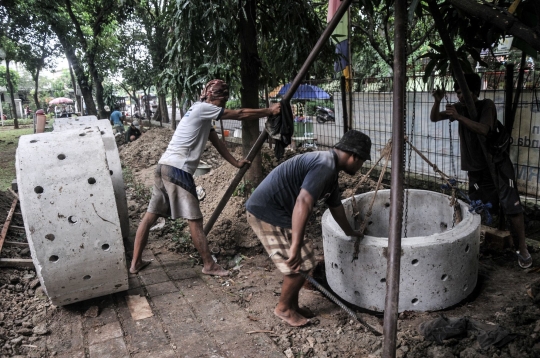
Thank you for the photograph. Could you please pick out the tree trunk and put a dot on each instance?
(162, 106)
(36, 88)
(82, 78)
(249, 74)
(173, 104)
(98, 84)
(12, 95)
(74, 84)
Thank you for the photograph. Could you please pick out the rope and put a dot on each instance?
(385, 153)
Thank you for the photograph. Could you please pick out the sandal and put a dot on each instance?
(524, 262)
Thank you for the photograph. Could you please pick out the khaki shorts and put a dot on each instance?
(169, 199)
(275, 240)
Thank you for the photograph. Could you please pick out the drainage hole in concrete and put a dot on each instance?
(49, 237)
(87, 277)
(111, 172)
(414, 262)
(335, 265)
(414, 301)
(465, 287)
(467, 248)
(76, 119)
(105, 247)
(102, 132)
(73, 219)
(61, 156)
(82, 134)
(444, 226)
(53, 258)
(387, 205)
(371, 222)
(91, 180)
(383, 280)
(38, 189)
(444, 277)
(357, 293)
(33, 141)
(118, 285)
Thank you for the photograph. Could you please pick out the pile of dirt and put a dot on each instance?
(23, 305)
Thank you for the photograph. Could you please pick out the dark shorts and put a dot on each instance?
(503, 192)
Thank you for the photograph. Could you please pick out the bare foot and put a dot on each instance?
(306, 312)
(293, 318)
(135, 268)
(215, 270)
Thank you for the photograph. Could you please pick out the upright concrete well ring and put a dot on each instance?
(439, 264)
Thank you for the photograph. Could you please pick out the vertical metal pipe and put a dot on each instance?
(396, 194)
(508, 93)
(344, 104)
(286, 98)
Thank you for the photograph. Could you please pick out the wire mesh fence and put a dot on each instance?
(368, 107)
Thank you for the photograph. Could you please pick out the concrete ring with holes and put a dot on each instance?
(439, 263)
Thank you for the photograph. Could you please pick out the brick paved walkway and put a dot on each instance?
(185, 309)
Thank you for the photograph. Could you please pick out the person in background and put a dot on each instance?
(134, 131)
(495, 184)
(116, 120)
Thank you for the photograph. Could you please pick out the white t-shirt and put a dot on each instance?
(189, 139)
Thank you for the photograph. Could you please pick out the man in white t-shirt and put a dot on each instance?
(174, 191)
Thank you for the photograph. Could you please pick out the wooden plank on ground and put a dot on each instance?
(17, 263)
(15, 243)
(6, 224)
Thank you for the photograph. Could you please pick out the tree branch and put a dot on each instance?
(502, 20)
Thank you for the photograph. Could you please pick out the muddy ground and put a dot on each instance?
(503, 296)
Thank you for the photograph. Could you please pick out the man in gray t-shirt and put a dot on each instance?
(174, 192)
(279, 208)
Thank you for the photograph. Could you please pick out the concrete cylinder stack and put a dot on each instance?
(70, 214)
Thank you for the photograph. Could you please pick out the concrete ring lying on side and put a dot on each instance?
(113, 161)
(439, 263)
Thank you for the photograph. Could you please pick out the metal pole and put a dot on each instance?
(396, 194)
(449, 47)
(344, 104)
(286, 98)
(508, 91)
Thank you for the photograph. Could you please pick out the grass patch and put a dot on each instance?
(9, 140)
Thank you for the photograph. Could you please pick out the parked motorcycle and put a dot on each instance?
(324, 114)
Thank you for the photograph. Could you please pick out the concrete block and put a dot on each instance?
(439, 264)
(70, 216)
(113, 161)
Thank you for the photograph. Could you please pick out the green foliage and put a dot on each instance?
(244, 188)
(179, 235)
(199, 50)
(8, 144)
(14, 78)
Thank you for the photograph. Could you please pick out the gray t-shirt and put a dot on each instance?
(189, 139)
(274, 199)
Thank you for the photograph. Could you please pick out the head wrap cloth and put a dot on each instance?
(215, 90)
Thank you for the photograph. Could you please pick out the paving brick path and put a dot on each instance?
(185, 308)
